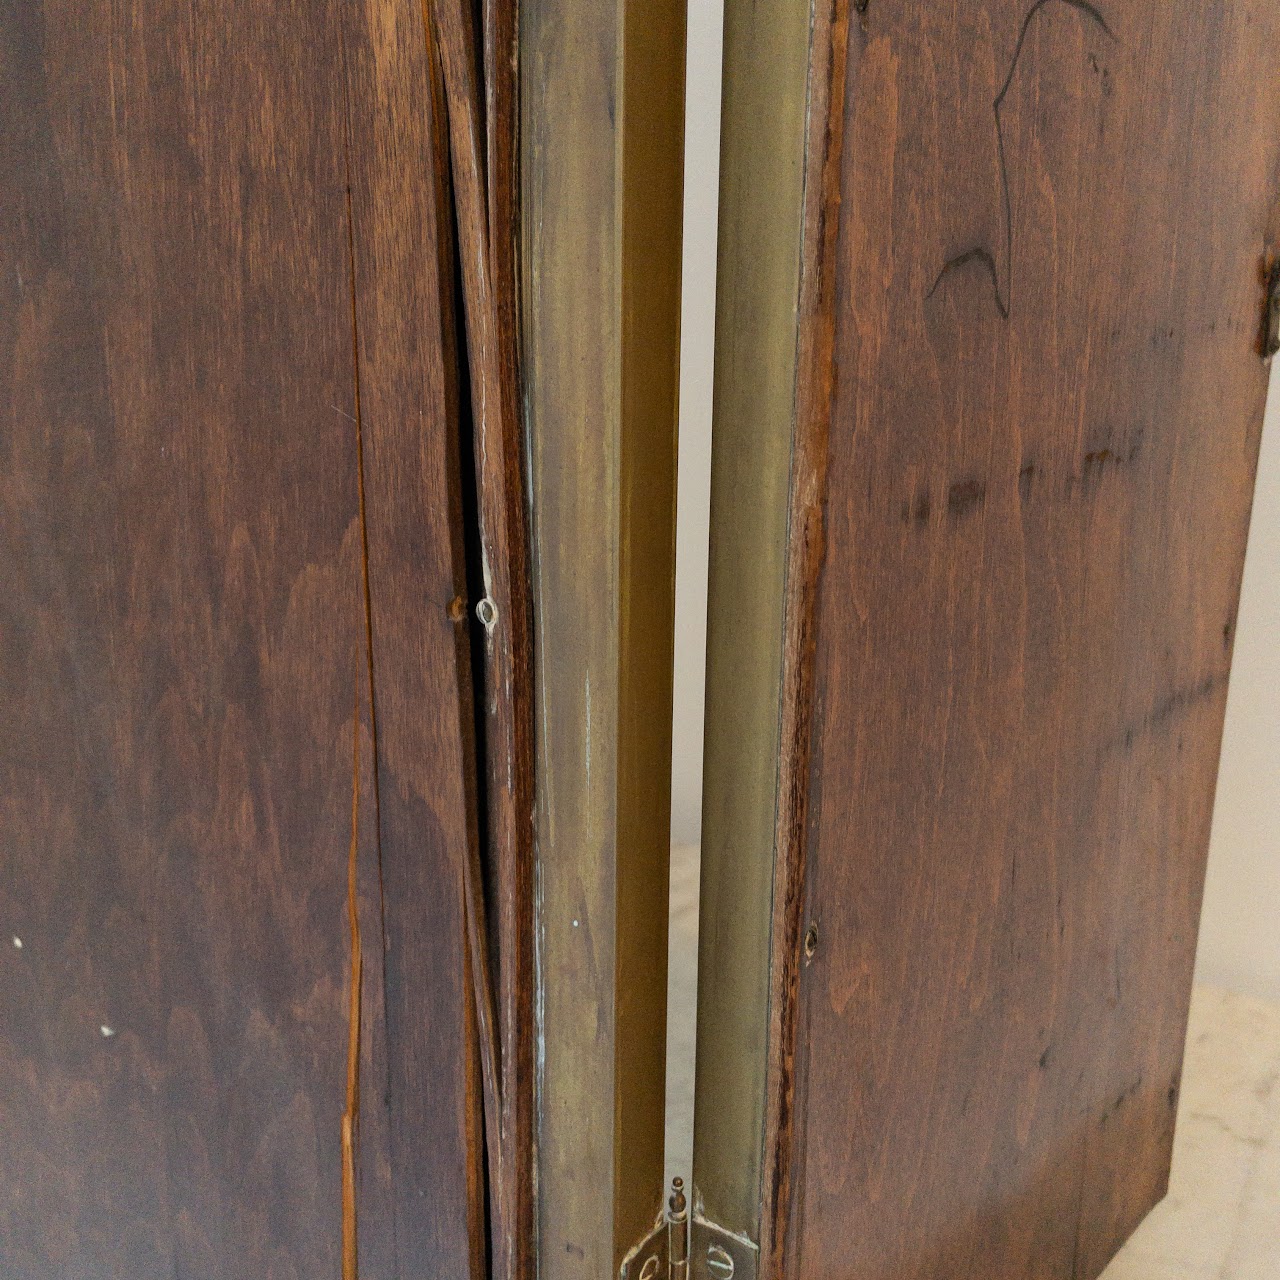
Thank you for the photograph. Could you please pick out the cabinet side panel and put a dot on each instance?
(233, 701)
(1045, 402)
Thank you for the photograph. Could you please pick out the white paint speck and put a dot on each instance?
(575, 924)
(17, 943)
(107, 1032)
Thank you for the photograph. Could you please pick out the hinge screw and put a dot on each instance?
(719, 1263)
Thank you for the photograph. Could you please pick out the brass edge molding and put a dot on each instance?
(601, 144)
(652, 185)
(766, 67)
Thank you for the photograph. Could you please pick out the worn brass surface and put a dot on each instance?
(602, 146)
(761, 190)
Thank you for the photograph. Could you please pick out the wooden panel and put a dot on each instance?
(601, 137)
(1029, 397)
(235, 686)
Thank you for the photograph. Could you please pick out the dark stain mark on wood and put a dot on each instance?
(1177, 703)
(1120, 1101)
(1106, 459)
(965, 496)
(1167, 710)
(919, 509)
(1269, 339)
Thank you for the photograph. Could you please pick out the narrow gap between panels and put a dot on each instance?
(693, 508)
(473, 554)
(473, 567)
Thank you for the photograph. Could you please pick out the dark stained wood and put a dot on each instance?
(235, 674)
(479, 76)
(1027, 425)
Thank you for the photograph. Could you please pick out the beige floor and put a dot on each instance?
(1221, 1219)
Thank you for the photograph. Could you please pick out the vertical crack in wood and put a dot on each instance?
(1004, 304)
(980, 253)
(351, 1116)
(480, 109)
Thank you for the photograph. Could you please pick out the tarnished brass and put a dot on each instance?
(717, 1254)
(687, 1246)
(762, 156)
(601, 156)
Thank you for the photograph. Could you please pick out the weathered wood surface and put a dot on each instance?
(1028, 415)
(235, 668)
(478, 58)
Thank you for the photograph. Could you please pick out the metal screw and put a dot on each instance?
(719, 1262)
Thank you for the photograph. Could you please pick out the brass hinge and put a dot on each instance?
(685, 1245)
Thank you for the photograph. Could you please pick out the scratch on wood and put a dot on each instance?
(1167, 710)
(976, 254)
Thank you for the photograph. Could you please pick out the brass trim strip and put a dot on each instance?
(762, 155)
(601, 156)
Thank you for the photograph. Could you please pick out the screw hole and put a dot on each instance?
(810, 941)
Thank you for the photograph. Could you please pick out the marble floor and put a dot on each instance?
(1221, 1218)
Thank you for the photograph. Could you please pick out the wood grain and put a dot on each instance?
(1027, 426)
(234, 678)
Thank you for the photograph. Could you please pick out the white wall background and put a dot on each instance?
(1240, 929)
(1240, 935)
